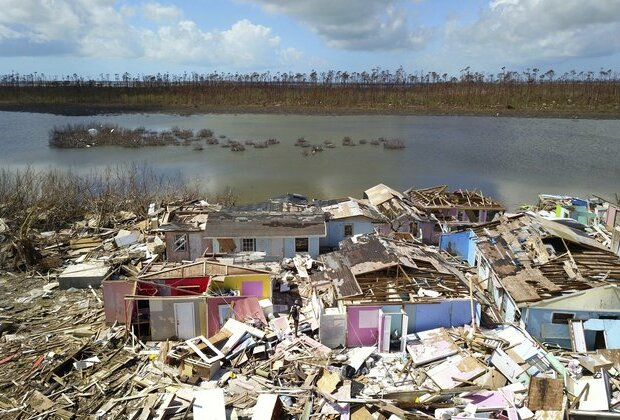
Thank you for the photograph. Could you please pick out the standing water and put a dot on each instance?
(513, 159)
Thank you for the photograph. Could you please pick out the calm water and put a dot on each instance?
(511, 158)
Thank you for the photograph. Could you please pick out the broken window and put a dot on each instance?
(248, 245)
(561, 318)
(348, 230)
(301, 244)
(180, 242)
(227, 245)
(225, 312)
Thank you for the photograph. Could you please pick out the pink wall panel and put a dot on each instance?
(361, 332)
(213, 316)
(114, 292)
(252, 288)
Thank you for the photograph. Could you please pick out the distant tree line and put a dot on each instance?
(375, 76)
(529, 91)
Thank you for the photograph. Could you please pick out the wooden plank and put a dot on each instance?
(577, 336)
(508, 367)
(268, 407)
(546, 394)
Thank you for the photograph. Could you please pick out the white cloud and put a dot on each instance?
(159, 12)
(525, 31)
(244, 44)
(101, 29)
(290, 56)
(43, 21)
(354, 24)
(7, 33)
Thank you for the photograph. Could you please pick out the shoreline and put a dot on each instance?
(94, 110)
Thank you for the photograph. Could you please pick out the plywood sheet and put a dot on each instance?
(546, 394)
(433, 345)
(454, 371)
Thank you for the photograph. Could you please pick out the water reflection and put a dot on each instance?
(513, 159)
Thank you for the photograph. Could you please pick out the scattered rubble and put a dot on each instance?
(99, 324)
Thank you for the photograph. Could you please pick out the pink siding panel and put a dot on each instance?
(213, 315)
(252, 288)
(357, 335)
(114, 292)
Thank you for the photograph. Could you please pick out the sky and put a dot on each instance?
(97, 37)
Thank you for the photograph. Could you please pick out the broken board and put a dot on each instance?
(433, 345)
(546, 394)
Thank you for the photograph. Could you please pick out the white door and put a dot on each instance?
(404, 332)
(184, 318)
(384, 334)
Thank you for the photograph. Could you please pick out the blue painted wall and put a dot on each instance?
(538, 322)
(460, 244)
(335, 230)
(449, 313)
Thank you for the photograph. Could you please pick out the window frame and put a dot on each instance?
(180, 247)
(307, 244)
(245, 248)
(562, 318)
(345, 228)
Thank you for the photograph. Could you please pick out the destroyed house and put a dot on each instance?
(565, 207)
(612, 222)
(381, 289)
(526, 260)
(583, 321)
(183, 229)
(172, 300)
(447, 211)
(396, 208)
(349, 217)
(275, 235)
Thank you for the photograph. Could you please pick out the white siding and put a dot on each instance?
(276, 247)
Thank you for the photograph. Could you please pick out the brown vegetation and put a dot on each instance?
(528, 92)
(54, 199)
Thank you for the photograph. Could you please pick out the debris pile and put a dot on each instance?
(116, 322)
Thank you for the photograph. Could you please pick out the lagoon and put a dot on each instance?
(513, 159)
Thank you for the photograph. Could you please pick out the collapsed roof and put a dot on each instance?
(538, 259)
(372, 269)
(437, 198)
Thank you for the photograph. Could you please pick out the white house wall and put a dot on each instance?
(275, 247)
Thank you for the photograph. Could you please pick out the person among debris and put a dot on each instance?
(294, 313)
